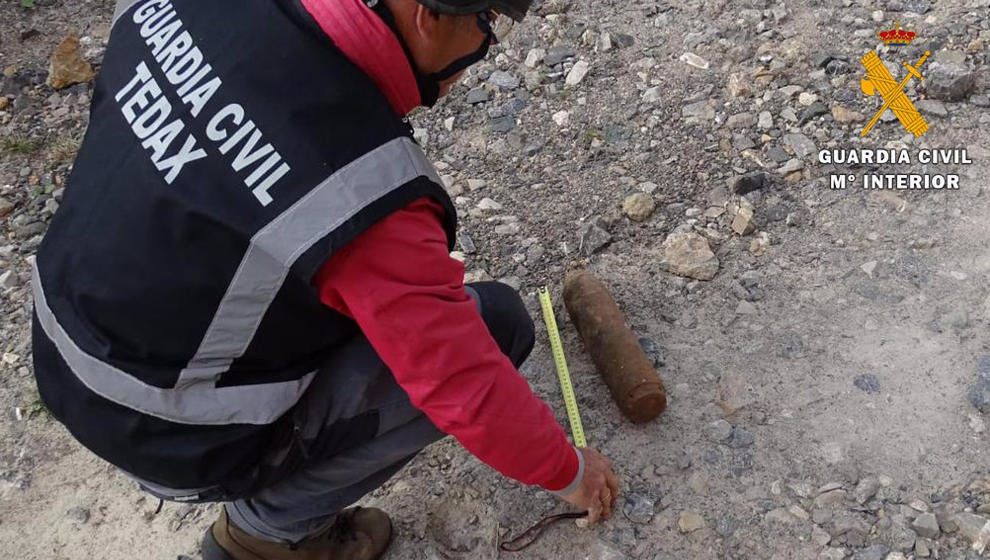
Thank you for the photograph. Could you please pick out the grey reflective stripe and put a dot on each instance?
(200, 403)
(576, 483)
(196, 399)
(121, 7)
(275, 248)
(475, 296)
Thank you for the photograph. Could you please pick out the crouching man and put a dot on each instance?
(247, 295)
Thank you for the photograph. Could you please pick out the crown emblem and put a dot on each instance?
(897, 37)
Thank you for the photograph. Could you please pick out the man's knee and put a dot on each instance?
(507, 318)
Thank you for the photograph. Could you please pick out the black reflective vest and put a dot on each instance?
(231, 150)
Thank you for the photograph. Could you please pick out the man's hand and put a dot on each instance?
(599, 487)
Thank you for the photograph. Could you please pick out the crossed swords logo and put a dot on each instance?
(878, 78)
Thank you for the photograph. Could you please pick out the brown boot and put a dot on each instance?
(357, 534)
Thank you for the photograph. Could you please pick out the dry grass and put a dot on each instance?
(18, 144)
(63, 150)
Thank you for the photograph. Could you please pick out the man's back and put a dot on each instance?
(229, 153)
(263, 310)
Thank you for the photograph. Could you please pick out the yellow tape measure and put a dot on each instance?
(564, 376)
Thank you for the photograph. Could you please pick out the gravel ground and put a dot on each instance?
(825, 351)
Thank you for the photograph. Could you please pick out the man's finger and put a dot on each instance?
(606, 498)
(593, 513)
(613, 484)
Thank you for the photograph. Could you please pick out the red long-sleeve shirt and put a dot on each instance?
(398, 282)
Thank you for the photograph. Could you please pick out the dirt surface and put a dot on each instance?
(828, 386)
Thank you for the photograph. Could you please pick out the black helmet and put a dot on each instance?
(515, 9)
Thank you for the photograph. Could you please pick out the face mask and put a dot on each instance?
(429, 84)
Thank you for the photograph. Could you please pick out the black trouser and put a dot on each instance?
(356, 384)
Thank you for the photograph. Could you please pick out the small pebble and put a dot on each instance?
(740, 437)
(652, 350)
(720, 430)
(78, 514)
(867, 383)
(639, 509)
(979, 396)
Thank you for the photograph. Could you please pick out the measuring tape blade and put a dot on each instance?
(564, 376)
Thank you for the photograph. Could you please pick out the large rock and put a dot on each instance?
(801, 144)
(577, 73)
(932, 107)
(558, 54)
(866, 489)
(811, 111)
(739, 86)
(639, 207)
(690, 521)
(948, 81)
(504, 80)
(593, 237)
(900, 537)
(477, 95)
(845, 522)
(830, 498)
(688, 254)
(692, 59)
(926, 525)
(749, 182)
(700, 110)
(535, 57)
(653, 95)
(743, 223)
(741, 120)
(974, 527)
(67, 66)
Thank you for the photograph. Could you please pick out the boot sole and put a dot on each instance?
(212, 549)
